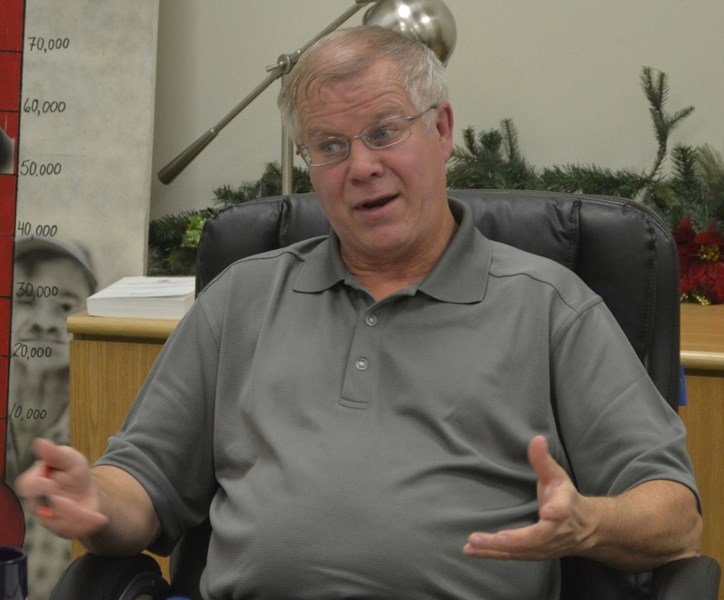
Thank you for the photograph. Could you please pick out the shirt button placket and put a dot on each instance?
(361, 363)
(359, 382)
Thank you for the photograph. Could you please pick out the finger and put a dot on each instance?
(488, 545)
(44, 507)
(57, 457)
(36, 489)
(67, 518)
(32, 482)
(44, 449)
(526, 543)
(65, 465)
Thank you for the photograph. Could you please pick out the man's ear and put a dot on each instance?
(444, 126)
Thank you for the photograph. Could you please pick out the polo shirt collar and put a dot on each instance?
(460, 276)
(323, 268)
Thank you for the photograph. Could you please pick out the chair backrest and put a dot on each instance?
(618, 247)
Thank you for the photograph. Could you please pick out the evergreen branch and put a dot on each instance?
(710, 171)
(173, 240)
(490, 144)
(710, 167)
(270, 184)
(510, 140)
(490, 159)
(493, 159)
(656, 89)
(684, 159)
(470, 144)
(592, 179)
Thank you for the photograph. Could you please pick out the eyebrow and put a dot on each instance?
(383, 114)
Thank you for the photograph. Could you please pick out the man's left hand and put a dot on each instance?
(561, 528)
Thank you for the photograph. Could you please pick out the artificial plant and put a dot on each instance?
(689, 196)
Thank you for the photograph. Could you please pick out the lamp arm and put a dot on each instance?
(284, 64)
(168, 173)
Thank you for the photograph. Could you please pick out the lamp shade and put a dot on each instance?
(427, 21)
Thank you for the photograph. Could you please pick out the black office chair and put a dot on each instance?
(618, 247)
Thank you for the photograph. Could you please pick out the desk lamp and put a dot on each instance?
(428, 21)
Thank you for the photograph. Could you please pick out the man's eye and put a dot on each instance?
(385, 133)
(330, 147)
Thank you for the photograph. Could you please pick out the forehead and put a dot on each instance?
(353, 101)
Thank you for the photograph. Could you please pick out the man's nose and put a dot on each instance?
(364, 162)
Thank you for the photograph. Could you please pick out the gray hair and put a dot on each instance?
(345, 53)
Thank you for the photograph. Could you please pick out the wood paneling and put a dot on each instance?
(702, 354)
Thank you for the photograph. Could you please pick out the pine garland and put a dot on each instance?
(493, 159)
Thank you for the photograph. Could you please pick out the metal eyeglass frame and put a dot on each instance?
(364, 135)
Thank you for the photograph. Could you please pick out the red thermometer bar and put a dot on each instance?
(12, 20)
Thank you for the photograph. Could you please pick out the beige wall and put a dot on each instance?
(566, 71)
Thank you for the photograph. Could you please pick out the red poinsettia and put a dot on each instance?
(701, 262)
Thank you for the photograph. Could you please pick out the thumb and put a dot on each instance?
(539, 458)
(545, 466)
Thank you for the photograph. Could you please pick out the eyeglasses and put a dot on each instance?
(330, 150)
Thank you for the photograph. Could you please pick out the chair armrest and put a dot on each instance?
(111, 578)
(92, 576)
(696, 577)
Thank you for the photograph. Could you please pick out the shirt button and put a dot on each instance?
(371, 320)
(361, 364)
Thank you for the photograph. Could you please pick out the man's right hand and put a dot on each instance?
(61, 491)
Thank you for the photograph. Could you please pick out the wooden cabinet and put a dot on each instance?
(109, 361)
(110, 358)
(702, 354)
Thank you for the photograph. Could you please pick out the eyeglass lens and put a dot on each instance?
(383, 134)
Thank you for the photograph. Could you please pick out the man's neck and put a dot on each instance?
(384, 278)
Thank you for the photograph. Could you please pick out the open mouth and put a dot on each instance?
(378, 203)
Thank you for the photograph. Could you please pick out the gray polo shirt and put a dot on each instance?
(345, 448)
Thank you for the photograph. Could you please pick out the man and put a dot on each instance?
(380, 413)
